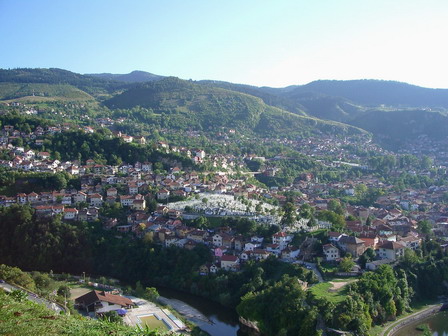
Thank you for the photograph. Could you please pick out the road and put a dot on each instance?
(33, 297)
(313, 267)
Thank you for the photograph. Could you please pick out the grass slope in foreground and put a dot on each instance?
(29, 318)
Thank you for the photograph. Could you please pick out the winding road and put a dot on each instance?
(33, 297)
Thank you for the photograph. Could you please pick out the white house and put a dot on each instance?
(70, 213)
(217, 240)
(391, 250)
(281, 239)
(229, 262)
(96, 200)
(331, 252)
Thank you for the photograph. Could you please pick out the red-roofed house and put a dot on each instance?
(230, 262)
(102, 302)
(70, 213)
(391, 250)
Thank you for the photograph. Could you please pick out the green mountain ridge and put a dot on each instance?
(373, 92)
(385, 108)
(132, 77)
(209, 107)
(380, 107)
(38, 91)
(267, 97)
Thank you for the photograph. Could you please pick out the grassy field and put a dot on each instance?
(76, 292)
(334, 291)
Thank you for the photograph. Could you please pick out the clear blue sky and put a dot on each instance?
(259, 42)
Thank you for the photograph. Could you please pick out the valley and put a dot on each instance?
(229, 192)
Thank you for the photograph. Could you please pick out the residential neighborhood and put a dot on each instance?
(389, 227)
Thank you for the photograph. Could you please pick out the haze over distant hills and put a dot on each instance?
(390, 110)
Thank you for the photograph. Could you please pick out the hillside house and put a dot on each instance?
(230, 262)
(352, 245)
(331, 252)
(391, 250)
(102, 302)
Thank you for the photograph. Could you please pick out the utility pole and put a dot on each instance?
(65, 303)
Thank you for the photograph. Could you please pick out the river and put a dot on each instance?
(437, 323)
(211, 317)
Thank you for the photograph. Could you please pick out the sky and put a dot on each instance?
(258, 42)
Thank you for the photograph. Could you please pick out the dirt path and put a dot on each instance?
(337, 285)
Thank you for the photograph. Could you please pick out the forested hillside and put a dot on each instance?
(191, 104)
(384, 108)
(377, 92)
(133, 77)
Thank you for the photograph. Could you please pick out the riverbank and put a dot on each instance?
(209, 316)
(395, 326)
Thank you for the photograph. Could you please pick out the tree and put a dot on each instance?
(335, 206)
(18, 295)
(151, 294)
(148, 237)
(139, 290)
(15, 276)
(306, 211)
(425, 227)
(289, 214)
(346, 264)
(332, 217)
(366, 257)
(64, 291)
(201, 222)
(112, 316)
(360, 190)
(151, 205)
(287, 313)
(43, 281)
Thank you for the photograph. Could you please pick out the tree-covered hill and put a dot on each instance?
(395, 128)
(54, 76)
(376, 92)
(329, 107)
(268, 98)
(35, 92)
(207, 107)
(384, 108)
(133, 77)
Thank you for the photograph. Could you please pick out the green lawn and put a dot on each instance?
(324, 290)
